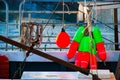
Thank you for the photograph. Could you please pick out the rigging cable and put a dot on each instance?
(22, 65)
(59, 14)
(63, 14)
(92, 43)
(51, 15)
(49, 21)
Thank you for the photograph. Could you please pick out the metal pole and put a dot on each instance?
(116, 37)
(20, 13)
(6, 21)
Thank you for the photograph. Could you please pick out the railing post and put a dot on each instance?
(20, 13)
(6, 20)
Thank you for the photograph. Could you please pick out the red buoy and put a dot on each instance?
(62, 39)
(101, 51)
(4, 67)
(73, 48)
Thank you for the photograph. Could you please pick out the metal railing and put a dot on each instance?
(44, 43)
(7, 18)
(49, 46)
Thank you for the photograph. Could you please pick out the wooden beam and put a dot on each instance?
(45, 55)
(50, 57)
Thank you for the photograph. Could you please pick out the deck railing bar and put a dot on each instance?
(61, 22)
(38, 12)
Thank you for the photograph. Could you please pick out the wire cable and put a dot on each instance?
(22, 65)
(51, 15)
(20, 69)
